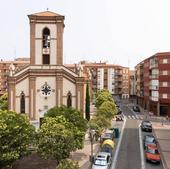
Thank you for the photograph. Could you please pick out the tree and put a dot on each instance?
(103, 96)
(72, 115)
(55, 140)
(107, 109)
(4, 101)
(87, 103)
(65, 164)
(16, 134)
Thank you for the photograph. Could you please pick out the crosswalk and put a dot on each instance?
(137, 117)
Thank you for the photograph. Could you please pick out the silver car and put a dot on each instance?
(102, 161)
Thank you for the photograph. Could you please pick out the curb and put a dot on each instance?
(162, 156)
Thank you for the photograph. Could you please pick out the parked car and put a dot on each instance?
(152, 154)
(149, 140)
(136, 109)
(109, 134)
(146, 126)
(102, 161)
(107, 146)
(119, 117)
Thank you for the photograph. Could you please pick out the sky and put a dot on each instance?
(122, 32)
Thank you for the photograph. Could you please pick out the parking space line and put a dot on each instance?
(141, 149)
(118, 146)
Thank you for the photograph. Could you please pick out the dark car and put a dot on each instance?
(149, 140)
(146, 126)
(136, 109)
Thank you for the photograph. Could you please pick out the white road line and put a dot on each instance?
(141, 149)
(129, 117)
(118, 146)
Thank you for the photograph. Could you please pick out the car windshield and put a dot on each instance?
(147, 123)
(152, 151)
(101, 162)
(150, 139)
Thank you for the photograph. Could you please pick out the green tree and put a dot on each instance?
(68, 164)
(4, 101)
(103, 96)
(72, 115)
(87, 103)
(16, 134)
(107, 109)
(55, 140)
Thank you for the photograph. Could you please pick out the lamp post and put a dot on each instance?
(92, 134)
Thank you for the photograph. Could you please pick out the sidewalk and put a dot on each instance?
(162, 133)
(83, 156)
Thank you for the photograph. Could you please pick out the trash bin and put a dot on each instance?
(116, 130)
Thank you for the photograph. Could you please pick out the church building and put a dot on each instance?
(45, 82)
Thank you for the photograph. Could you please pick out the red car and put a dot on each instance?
(152, 154)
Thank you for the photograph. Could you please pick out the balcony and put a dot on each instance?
(154, 76)
(154, 87)
(154, 98)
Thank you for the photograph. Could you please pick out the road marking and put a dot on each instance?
(118, 146)
(141, 149)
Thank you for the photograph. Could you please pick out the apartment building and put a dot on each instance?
(115, 78)
(5, 67)
(132, 82)
(153, 84)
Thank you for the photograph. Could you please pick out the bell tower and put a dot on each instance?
(46, 38)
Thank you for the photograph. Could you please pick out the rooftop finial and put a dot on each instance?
(47, 9)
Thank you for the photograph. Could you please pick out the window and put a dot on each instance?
(69, 99)
(46, 59)
(164, 96)
(164, 72)
(22, 102)
(165, 61)
(46, 38)
(165, 84)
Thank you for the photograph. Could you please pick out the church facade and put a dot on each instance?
(45, 82)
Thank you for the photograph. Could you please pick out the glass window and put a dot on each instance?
(164, 95)
(165, 84)
(165, 61)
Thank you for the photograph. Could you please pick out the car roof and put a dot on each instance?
(151, 146)
(146, 121)
(103, 154)
(151, 136)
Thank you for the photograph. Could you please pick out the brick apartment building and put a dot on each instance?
(153, 84)
(5, 66)
(115, 78)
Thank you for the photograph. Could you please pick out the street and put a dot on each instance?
(130, 155)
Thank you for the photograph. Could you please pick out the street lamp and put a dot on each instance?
(92, 134)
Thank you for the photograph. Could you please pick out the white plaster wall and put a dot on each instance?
(111, 78)
(38, 51)
(69, 86)
(40, 99)
(39, 28)
(53, 52)
(23, 86)
(53, 43)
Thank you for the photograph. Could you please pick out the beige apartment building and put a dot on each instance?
(5, 67)
(115, 78)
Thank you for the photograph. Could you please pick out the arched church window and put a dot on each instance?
(22, 102)
(46, 38)
(46, 46)
(69, 99)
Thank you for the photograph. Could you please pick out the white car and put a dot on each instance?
(102, 161)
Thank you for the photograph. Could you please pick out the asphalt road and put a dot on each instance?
(129, 155)
(129, 152)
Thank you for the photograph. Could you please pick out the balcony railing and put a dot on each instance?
(153, 76)
(153, 98)
(154, 87)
